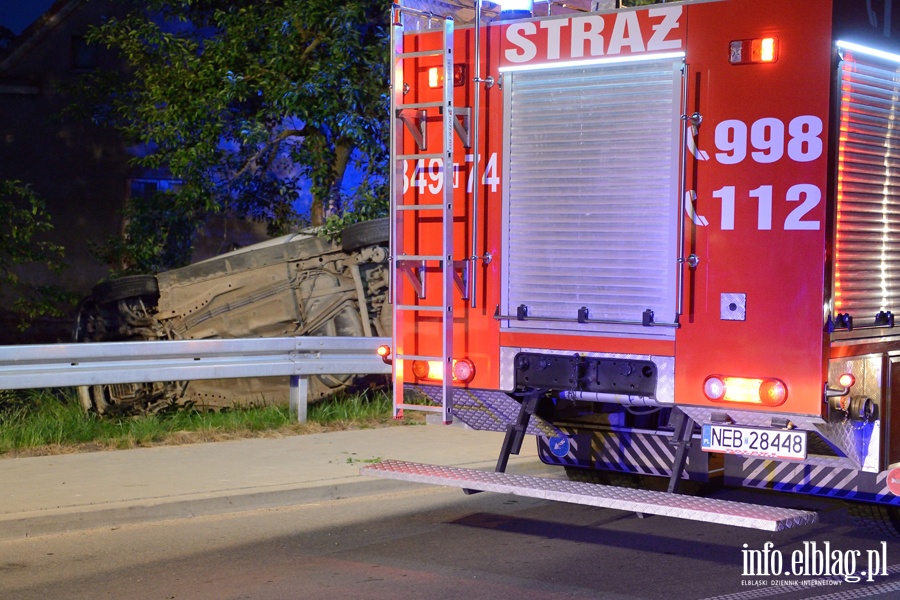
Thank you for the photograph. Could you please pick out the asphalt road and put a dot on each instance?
(425, 542)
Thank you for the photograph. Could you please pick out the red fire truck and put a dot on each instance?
(664, 239)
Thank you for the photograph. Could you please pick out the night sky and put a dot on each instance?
(19, 14)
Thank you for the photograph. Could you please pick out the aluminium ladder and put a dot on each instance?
(408, 266)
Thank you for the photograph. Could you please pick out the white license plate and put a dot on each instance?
(751, 441)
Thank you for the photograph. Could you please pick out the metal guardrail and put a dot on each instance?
(68, 365)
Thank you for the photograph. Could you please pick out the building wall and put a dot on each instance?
(81, 170)
(77, 168)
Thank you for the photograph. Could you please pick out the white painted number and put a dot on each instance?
(418, 175)
(726, 194)
(767, 136)
(805, 144)
(491, 176)
(731, 139)
(764, 194)
(810, 195)
(430, 177)
(436, 175)
(765, 140)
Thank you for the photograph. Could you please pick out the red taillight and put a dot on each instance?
(847, 380)
(744, 390)
(755, 51)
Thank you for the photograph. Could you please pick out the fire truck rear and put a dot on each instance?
(665, 240)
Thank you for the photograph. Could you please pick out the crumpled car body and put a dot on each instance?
(299, 284)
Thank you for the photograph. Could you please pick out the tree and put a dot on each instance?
(249, 103)
(22, 246)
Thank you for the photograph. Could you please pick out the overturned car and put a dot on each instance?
(299, 284)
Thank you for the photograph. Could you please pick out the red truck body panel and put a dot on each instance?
(736, 223)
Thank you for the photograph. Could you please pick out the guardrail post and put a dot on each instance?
(299, 390)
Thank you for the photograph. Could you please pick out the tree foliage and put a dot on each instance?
(23, 245)
(249, 103)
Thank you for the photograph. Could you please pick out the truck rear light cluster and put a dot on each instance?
(743, 390)
(433, 370)
(749, 52)
(436, 76)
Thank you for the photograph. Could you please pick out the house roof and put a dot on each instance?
(32, 36)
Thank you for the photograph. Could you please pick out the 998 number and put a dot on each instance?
(767, 140)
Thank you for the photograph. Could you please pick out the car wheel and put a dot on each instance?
(125, 287)
(367, 233)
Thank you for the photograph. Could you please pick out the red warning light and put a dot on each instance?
(755, 51)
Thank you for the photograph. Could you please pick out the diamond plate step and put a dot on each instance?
(724, 512)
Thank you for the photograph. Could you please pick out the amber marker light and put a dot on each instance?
(384, 351)
(846, 380)
(422, 369)
(435, 77)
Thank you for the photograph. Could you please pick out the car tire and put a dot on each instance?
(125, 287)
(367, 233)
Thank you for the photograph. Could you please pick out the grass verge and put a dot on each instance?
(40, 422)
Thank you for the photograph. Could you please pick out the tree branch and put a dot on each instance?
(287, 133)
(317, 41)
